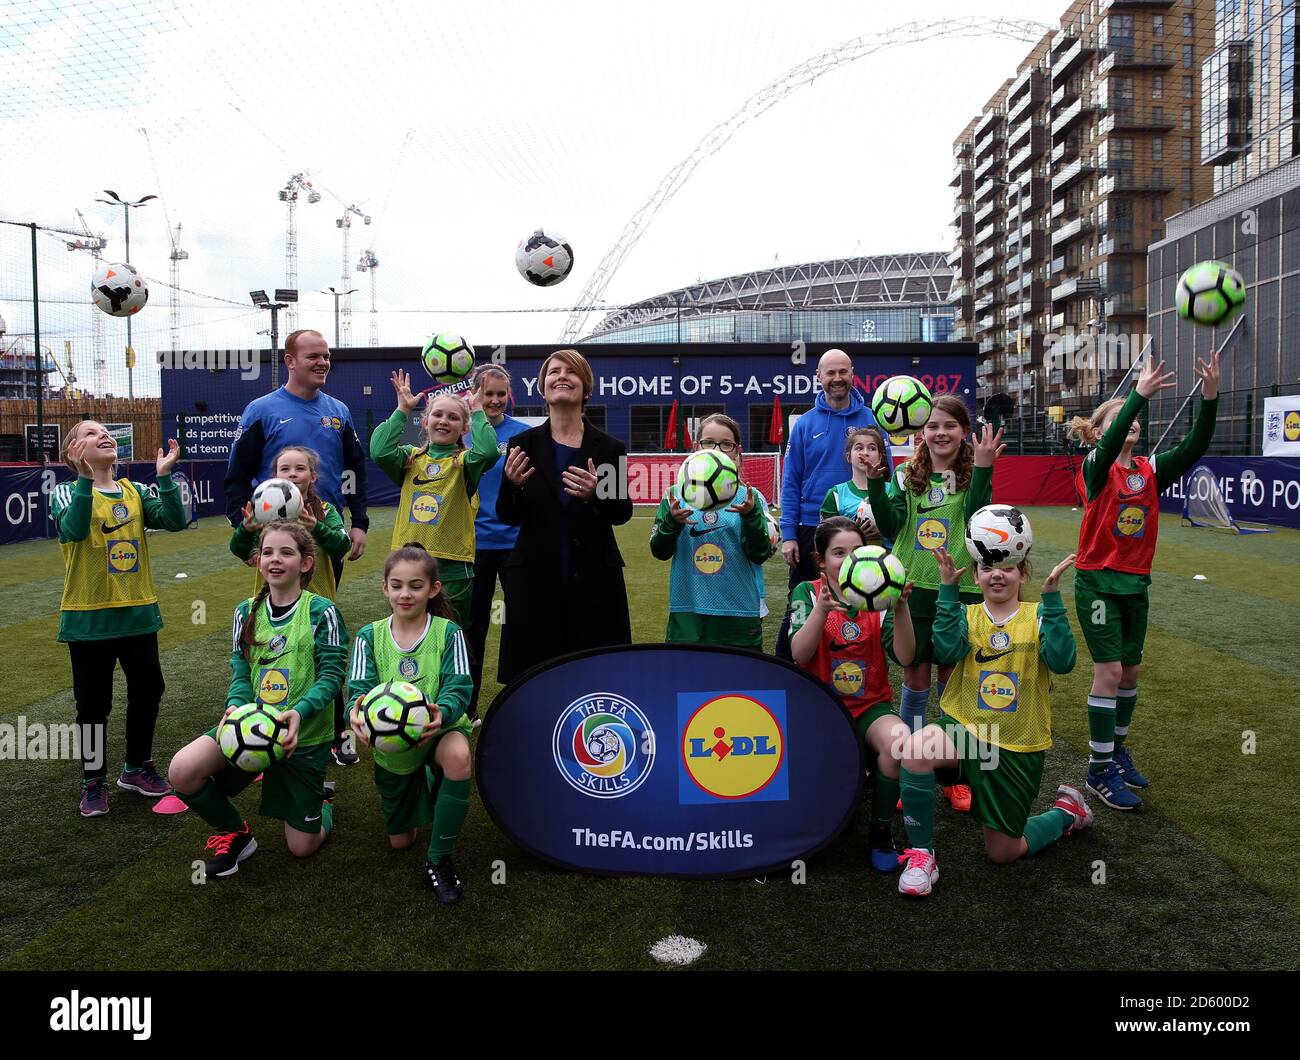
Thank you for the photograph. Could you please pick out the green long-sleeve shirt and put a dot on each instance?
(455, 685)
(329, 532)
(330, 638)
(951, 639)
(70, 509)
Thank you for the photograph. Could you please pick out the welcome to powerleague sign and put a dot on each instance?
(669, 760)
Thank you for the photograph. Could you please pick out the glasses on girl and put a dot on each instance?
(726, 447)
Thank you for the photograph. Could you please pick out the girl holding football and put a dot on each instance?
(420, 644)
(864, 448)
(715, 589)
(439, 481)
(109, 611)
(843, 647)
(289, 653)
(926, 508)
(1005, 653)
(1117, 544)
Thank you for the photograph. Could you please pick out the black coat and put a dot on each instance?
(545, 616)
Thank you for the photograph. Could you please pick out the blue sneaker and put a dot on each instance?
(1109, 786)
(884, 855)
(1127, 770)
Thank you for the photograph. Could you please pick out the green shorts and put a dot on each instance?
(1001, 794)
(867, 718)
(1114, 625)
(292, 790)
(459, 593)
(921, 605)
(408, 798)
(728, 631)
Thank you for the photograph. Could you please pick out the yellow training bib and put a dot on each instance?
(110, 566)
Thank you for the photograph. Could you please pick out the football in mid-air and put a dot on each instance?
(447, 358)
(395, 715)
(707, 479)
(252, 737)
(871, 578)
(901, 405)
(1210, 293)
(544, 258)
(119, 289)
(999, 535)
(275, 499)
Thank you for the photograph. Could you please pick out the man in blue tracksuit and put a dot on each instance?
(814, 462)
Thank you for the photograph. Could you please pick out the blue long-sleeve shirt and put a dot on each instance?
(814, 460)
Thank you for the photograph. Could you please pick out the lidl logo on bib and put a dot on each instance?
(733, 747)
(1131, 521)
(425, 508)
(1291, 426)
(709, 559)
(123, 557)
(273, 687)
(931, 534)
(999, 691)
(409, 669)
(848, 676)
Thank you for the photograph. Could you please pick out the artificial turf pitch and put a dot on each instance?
(1206, 876)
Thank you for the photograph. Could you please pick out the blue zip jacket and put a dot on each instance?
(814, 460)
(489, 531)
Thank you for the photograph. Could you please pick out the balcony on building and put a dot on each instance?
(988, 255)
(1063, 264)
(1064, 209)
(987, 346)
(965, 225)
(1124, 305)
(1127, 180)
(1128, 119)
(1079, 226)
(991, 118)
(1034, 148)
(1067, 176)
(987, 323)
(986, 279)
(1066, 151)
(963, 149)
(993, 163)
(1107, 6)
(988, 232)
(1227, 106)
(985, 214)
(1123, 243)
(985, 190)
(1065, 94)
(1067, 60)
(1125, 59)
(959, 173)
(961, 206)
(960, 260)
(1068, 118)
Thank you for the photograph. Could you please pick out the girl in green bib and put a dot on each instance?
(925, 509)
(289, 653)
(109, 612)
(439, 481)
(420, 643)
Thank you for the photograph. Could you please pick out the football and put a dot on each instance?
(999, 535)
(773, 530)
(544, 258)
(447, 358)
(901, 405)
(871, 578)
(252, 737)
(395, 715)
(119, 289)
(276, 498)
(707, 479)
(1210, 293)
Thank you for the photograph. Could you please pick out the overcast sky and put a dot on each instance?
(460, 127)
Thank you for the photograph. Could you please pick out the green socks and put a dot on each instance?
(1126, 700)
(1101, 733)
(1044, 829)
(448, 816)
(327, 817)
(918, 808)
(884, 798)
(215, 807)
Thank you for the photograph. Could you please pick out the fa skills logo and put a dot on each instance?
(603, 745)
(733, 747)
(409, 668)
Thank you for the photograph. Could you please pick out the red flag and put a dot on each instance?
(776, 431)
(686, 431)
(670, 431)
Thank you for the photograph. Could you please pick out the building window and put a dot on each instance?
(1157, 87)
(1187, 149)
(1187, 55)
(1157, 213)
(1187, 204)
(1157, 51)
(1158, 26)
(1158, 176)
(1187, 179)
(1187, 117)
(1157, 149)
(1189, 87)
(1157, 234)
(1187, 26)
(1158, 114)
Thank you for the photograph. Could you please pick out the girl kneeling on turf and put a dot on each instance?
(285, 637)
(715, 588)
(420, 644)
(995, 719)
(843, 648)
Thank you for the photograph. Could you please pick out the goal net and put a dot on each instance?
(1204, 505)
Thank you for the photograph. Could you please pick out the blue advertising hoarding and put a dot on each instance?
(1256, 489)
(669, 760)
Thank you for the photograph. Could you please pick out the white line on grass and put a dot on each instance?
(677, 949)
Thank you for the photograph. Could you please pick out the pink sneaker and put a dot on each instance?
(920, 873)
(1071, 801)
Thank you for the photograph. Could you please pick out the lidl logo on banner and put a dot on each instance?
(1291, 426)
(733, 747)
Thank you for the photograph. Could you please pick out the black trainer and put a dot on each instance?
(229, 849)
(342, 756)
(445, 880)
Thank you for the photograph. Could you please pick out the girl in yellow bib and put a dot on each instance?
(289, 652)
(109, 613)
(995, 719)
(439, 481)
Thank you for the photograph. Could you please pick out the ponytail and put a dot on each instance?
(1087, 430)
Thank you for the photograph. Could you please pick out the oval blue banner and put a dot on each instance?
(669, 760)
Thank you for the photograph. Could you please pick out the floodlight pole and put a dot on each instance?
(337, 295)
(126, 211)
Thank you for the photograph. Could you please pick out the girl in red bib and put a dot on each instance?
(1117, 544)
(843, 647)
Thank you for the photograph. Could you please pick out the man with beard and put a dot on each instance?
(814, 462)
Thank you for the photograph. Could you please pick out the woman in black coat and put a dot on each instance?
(563, 485)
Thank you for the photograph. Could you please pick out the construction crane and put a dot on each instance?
(94, 245)
(177, 256)
(297, 184)
(370, 263)
(345, 223)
